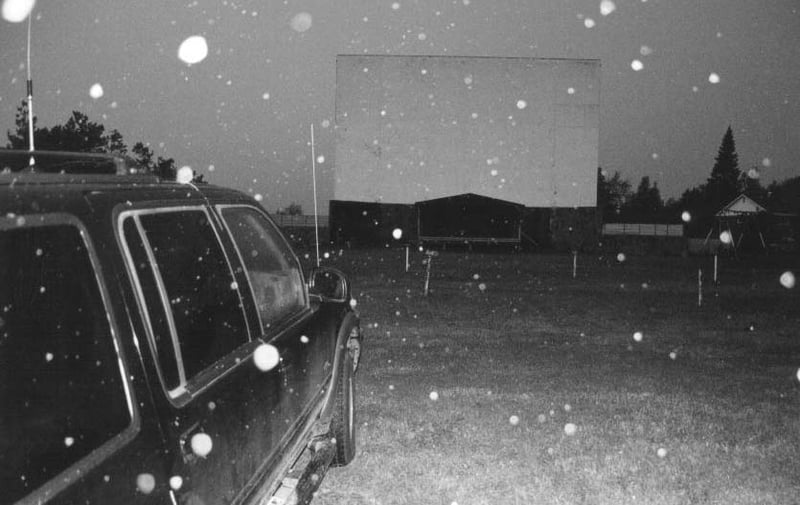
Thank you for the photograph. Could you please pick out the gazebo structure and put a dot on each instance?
(739, 224)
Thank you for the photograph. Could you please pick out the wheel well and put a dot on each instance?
(348, 329)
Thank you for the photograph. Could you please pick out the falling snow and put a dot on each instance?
(201, 444)
(266, 357)
(193, 50)
(185, 175)
(175, 482)
(301, 22)
(145, 483)
(607, 7)
(17, 11)
(96, 91)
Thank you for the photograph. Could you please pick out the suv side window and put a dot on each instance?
(189, 291)
(164, 346)
(63, 393)
(274, 273)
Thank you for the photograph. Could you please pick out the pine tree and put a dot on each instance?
(612, 195)
(724, 184)
(79, 134)
(646, 204)
(18, 139)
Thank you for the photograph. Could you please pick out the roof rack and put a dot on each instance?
(17, 162)
(11, 179)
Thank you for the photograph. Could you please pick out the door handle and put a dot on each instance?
(194, 444)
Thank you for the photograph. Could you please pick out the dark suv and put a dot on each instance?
(159, 343)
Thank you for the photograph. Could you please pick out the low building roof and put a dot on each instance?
(742, 205)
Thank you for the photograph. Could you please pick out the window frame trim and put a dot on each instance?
(162, 296)
(290, 319)
(189, 387)
(80, 468)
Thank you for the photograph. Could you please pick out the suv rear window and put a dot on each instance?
(62, 390)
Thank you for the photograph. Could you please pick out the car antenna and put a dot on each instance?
(314, 184)
(31, 162)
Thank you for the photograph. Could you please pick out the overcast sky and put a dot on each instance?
(242, 115)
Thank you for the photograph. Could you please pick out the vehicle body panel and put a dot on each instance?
(256, 420)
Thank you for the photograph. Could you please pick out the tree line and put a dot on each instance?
(619, 203)
(79, 134)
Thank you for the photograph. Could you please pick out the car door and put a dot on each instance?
(227, 419)
(303, 338)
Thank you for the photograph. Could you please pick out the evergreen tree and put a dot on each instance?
(724, 183)
(162, 167)
(78, 134)
(18, 139)
(751, 185)
(645, 205)
(784, 196)
(612, 195)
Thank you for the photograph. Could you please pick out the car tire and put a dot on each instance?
(344, 416)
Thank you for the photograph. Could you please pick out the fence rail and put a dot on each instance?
(643, 229)
(295, 221)
(470, 240)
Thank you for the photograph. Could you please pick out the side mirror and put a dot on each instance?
(328, 285)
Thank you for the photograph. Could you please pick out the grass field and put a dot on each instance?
(470, 395)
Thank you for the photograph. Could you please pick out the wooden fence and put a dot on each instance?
(295, 221)
(643, 229)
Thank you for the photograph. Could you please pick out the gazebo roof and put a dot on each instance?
(742, 205)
